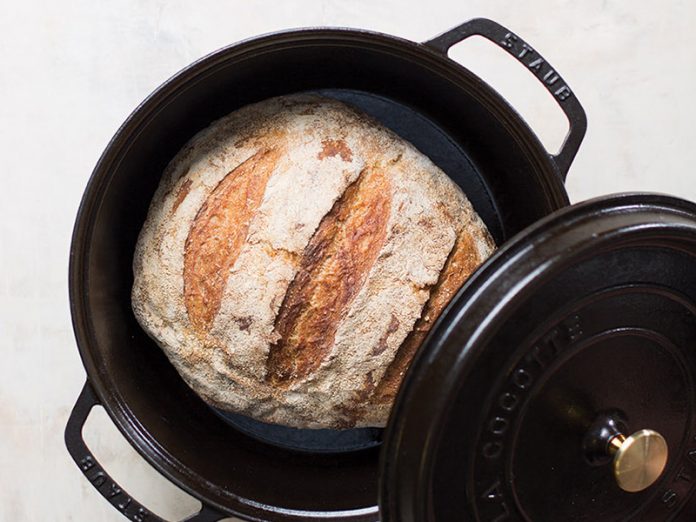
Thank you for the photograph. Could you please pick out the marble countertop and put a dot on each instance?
(72, 71)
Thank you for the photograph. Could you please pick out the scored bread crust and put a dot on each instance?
(294, 257)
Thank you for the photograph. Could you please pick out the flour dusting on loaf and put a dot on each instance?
(294, 257)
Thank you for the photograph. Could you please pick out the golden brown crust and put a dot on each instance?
(382, 343)
(181, 194)
(332, 271)
(460, 264)
(331, 148)
(218, 233)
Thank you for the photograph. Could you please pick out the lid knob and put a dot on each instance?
(639, 459)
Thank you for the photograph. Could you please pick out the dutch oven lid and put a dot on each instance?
(559, 384)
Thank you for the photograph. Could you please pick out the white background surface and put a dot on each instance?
(70, 72)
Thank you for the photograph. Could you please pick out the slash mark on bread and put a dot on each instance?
(181, 194)
(333, 269)
(218, 233)
(461, 262)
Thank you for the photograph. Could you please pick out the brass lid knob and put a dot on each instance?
(639, 460)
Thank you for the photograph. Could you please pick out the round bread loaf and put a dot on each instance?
(294, 257)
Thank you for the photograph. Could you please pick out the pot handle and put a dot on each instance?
(543, 71)
(100, 479)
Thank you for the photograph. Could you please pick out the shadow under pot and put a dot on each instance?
(235, 466)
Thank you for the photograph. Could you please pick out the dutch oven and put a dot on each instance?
(563, 362)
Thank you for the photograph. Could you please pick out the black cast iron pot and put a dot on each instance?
(452, 116)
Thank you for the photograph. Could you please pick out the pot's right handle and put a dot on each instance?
(100, 479)
(543, 71)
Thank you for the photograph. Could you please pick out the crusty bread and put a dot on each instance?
(295, 256)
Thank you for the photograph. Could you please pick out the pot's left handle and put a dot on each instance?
(100, 479)
(537, 65)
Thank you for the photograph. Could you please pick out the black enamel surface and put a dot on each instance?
(590, 311)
